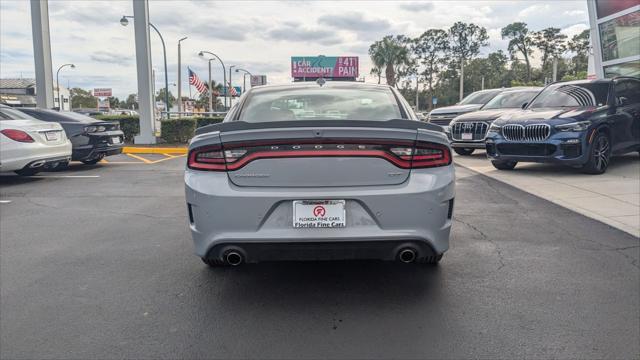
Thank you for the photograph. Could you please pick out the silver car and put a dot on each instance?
(321, 171)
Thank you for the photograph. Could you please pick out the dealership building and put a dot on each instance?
(615, 36)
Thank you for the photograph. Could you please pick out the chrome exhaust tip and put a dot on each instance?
(36, 164)
(407, 255)
(233, 258)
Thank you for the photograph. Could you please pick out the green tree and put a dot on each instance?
(131, 102)
(389, 53)
(551, 43)
(465, 42)
(579, 45)
(114, 102)
(520, 41)
(203, 98)
(82, 99)
(160, 97)
(431, 49)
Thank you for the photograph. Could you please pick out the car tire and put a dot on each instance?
(430, 260)
(26, 172)
(91, 162)
(464, 151)
(599, 155)
(504, 165)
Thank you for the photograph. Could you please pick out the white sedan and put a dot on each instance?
(28, 146)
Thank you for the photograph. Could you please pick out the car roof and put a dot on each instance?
(523, 88)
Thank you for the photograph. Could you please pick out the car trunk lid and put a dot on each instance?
(317, 156)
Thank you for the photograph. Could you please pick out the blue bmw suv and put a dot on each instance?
(578, 123)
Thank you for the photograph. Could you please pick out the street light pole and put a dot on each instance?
(58, 85)
(125, 22)
(180, 78)
(229, 87)
(210, 87)
(224, 70)
(244, 79)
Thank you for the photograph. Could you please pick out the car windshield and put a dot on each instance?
(510, 99)
(479, 97)
(12, 114)
(321, 103)
(572, 95)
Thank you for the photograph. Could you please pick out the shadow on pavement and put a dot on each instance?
(350, 283)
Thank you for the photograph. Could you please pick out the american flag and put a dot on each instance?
(195, 81)
(232, 90)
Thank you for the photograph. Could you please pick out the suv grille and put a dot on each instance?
(517, 132)
(477, 130)
(442, 119)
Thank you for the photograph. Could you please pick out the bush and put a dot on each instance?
(204, 121)
(130, 125)
(173, 131)
(177, 130)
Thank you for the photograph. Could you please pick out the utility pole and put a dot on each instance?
(482, 84)
(555, 69)
(417, 94)
(42, 53)
(461, 79)
(180, 78)
(229, 87)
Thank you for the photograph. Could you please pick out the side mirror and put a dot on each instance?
(524, 105)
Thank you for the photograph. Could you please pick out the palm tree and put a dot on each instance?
(389, 53)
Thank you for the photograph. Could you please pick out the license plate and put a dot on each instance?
(467, 136)
(52, 135)
(319, 214)
(115, 140)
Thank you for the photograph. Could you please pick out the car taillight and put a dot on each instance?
(405, 155)
(207, 158)
(429, 155)
(17, 135)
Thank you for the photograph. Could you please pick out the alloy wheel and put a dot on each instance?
(601, 153)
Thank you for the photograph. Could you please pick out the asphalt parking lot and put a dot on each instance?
(96, 262)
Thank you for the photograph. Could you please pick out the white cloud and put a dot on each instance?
(259, 36)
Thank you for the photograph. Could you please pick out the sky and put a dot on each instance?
(259, 36)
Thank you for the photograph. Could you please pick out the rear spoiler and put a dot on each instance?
(243, 125)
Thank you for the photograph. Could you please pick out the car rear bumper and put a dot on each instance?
(379, 219)
(89, 152)
(17, 158)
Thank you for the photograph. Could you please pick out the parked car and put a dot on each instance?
(28, 146)
(375, 183)
(579, 123)
(472, 102)
(92, 139)
(467, 131)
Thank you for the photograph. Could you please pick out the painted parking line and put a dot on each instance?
(5, 201)
(146, 161)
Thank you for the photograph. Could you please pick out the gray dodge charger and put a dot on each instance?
(320, 171)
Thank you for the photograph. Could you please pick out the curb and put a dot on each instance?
(154, 150)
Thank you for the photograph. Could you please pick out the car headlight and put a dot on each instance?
(90, 129)
(574, 126)
(494, 128)
(101, 129)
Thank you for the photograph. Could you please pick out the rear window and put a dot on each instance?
(510, 99)
(12, 114)
(479, 97)
(572, 95)
(321, 103)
